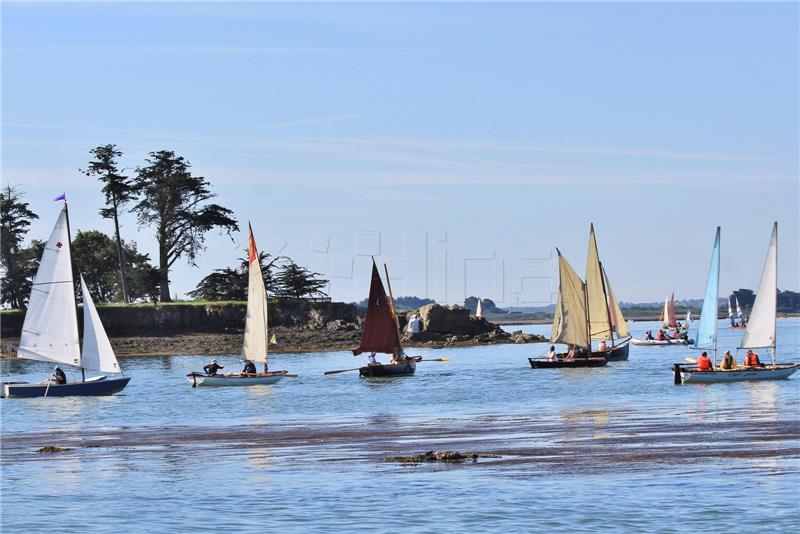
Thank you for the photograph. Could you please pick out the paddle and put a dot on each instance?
(340, 371)
(49, 380)
(435, 360)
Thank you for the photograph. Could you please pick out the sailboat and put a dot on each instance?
(604, 313)
(479, 310)
(730, 314)
(50, 328)
(741, 320)
(760, 332)
(570, 323)
(255, 346)
(381, 333)
(668, 320)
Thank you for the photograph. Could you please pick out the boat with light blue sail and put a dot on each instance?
(760, 331)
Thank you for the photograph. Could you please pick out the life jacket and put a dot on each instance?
(751, 360)
(703, 363)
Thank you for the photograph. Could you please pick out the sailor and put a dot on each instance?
(552, 356)
(751, 360)
(58, 376)
(212, 368)
(648, 335)
(703, 362)
(602, 346)
(676, 334)
(371, 359)
(249, 367)
(728, 362)
(660, 336)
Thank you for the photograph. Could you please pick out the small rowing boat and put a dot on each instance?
(255, 346)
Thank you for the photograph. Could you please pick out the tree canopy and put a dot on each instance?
(17, 262)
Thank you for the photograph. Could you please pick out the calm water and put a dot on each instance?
(161, 470)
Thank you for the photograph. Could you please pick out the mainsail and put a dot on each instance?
(50, 329)
(617, 319)
(570, 321)
(255, 343)
(599, 318)
(760, 331)
(380, 329)
(97, 352)
(739, 313)
(671, 311)
(707, 330)
(479, 310)
(665, 312)
(730, 313)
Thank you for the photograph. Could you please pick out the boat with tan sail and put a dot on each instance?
(255, 347)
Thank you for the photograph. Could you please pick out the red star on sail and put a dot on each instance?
(59, 244)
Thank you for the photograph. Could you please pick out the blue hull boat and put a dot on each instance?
(90, 388)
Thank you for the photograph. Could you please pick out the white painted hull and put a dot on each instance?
(234, 380)
(778, 372)
(637, 341)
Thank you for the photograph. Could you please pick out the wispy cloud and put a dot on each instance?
(172, 49)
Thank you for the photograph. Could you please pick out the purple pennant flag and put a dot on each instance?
(62, 196)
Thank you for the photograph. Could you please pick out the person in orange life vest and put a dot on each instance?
(751, 360)
(660, 336)
(676, 334)
(703, 362)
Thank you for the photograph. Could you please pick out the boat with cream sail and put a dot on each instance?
(50, 329)
(255, 347)
(760, 330)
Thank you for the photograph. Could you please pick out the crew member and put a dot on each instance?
(703, 362)
(751, 360)
(212, 368)
(728, 362)
(249, 367)
(59, 377)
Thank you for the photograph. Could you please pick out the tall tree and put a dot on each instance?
(298, 282)
(15, 219)
(175, 203)
(118, 190)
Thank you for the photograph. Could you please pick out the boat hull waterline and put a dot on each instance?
(779, 372)
(637, 341)
(617, 353)
(544, 363)
(201, 379)
(94, 387)
(388, 370)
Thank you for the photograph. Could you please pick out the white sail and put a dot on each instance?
(50, 329)
(255, 326)
(569, 321)
(599, 318)
(617, 319)
(739, 312)
(760, 331)
(97, 352)
(730, 310)
(665, 312)
(479, 310)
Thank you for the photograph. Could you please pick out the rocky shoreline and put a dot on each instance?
(440, 327)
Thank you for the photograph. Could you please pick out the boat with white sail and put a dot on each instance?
(255, 347)
(50, 329)
(670, 328)
(760, 331)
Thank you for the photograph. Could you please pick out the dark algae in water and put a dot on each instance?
(439, 456)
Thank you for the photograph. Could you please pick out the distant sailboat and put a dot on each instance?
(255, 346)
(741, 319)
(50, 329)
(479, 310)
(730, 314)
(668, 321)
(760, 333)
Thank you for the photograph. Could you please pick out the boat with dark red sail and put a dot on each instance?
(381, 334)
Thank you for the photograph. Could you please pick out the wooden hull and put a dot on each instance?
(617, 353)
(388, 370)
(201, 379)
(91, 388)
(543, 363)
(690, 375)
(637, 341)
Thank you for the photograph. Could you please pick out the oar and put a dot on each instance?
(435, 360)
(48, 386)
(340, 371)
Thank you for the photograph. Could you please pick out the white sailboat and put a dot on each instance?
(742, 320)
(255, 347)
(479, 310)
(50, 328)
(760, 333)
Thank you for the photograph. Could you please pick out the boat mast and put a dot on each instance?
(72, 281)
(605, 294)
(775, 314)
(394, 310)
(588, 322)
(716, 303)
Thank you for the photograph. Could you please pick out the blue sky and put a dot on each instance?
(459, 142)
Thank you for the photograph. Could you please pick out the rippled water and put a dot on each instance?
(580, 450)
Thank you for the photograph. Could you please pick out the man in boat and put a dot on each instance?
(660, 336)
(751, 360)
(59, 377)
(649, 335)
(704, 362)
(371, 359)
(249, 368)
(212, 368)
(602, 345)
(552, 356)
(728, 362)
